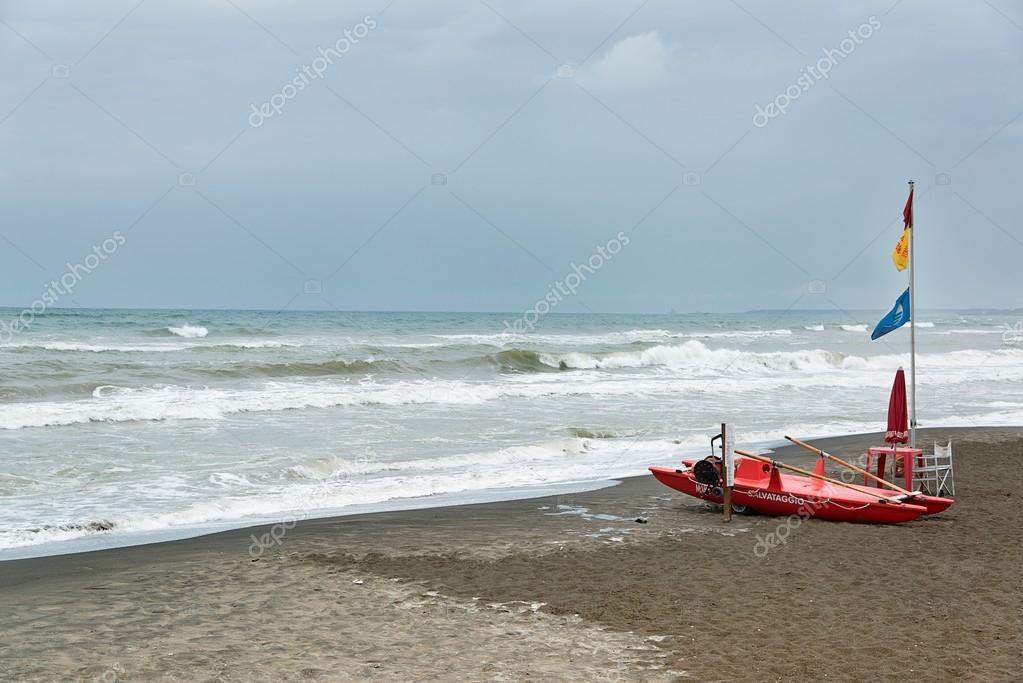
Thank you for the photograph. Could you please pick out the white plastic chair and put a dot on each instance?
(935, 475)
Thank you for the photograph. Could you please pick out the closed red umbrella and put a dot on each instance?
(898, 414)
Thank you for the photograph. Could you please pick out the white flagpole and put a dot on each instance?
(912, 329)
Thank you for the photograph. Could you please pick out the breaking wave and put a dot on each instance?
(521, 360)
(699, 358)
(189, 331)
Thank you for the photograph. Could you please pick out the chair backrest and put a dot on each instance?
(943, 451)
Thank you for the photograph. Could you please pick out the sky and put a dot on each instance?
(468, 155)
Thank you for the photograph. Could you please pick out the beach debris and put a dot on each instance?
(584, 513)
(358, 582)
(642, 520)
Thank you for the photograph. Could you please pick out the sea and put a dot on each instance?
(120, 427)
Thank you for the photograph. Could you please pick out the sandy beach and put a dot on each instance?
(567, 588)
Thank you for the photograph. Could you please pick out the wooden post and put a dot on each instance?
(726, 476)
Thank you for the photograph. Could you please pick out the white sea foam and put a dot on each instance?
(969, 331)
(95, 348)
(814, 328)
(854, 328)
(573, 460)
(334, 466)
(695, 356)
(189, 331)
(339, 485)
(741, 334)
(257, 344)
(609, 338)
(121, 404)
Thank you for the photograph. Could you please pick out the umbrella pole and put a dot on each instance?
(812, 475)
(912, 329)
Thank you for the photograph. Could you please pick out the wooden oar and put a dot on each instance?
(854, 468)
(813, 475)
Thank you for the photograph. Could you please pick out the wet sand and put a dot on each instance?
(568, 588)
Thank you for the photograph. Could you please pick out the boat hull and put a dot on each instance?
(933, 504)
(784, 495)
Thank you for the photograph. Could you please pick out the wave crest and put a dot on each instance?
(309, 369)
(189, 331)
(697, 357)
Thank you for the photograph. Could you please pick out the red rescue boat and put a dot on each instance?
(761, 487)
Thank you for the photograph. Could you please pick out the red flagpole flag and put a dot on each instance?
(900, 255)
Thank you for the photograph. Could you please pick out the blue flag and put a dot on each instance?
(896, 318)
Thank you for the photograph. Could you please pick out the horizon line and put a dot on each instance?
(773, 311)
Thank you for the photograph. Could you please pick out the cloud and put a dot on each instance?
(635, 62)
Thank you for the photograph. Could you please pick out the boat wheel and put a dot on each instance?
(741, 509)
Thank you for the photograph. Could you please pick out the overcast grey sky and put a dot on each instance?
(463, 154)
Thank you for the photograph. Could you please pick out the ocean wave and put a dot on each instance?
(854, 328)
(157, 347)
(604, 338)
(814, 328)
(731, 370)
(520, 360)
(76, 347)
(308, 368)
(335, 466)
(189, 331)
(171, 402)
(740, 334)
(697, 357)
(968, 331)
(691, 354)
(255, 344)
(586, 433)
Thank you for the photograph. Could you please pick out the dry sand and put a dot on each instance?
(566, 588)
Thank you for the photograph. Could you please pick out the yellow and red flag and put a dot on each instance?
(900, 255)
